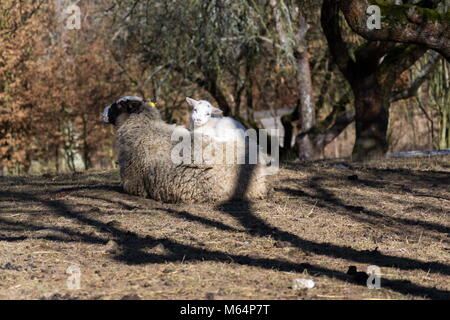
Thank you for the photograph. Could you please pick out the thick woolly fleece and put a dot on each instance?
(147, 170)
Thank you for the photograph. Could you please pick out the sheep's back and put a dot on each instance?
(147, 169)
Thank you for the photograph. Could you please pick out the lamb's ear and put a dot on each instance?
(191, 102)
(216, 110)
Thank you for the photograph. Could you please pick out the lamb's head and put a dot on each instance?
(119, 111)
(202, 111)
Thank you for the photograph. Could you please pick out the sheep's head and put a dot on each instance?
(121, 109)
(202, 111)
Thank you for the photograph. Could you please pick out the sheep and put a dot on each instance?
(145, 157)
(205, 119)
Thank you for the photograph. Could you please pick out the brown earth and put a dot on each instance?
(321, 218)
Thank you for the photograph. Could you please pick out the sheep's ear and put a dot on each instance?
(134, 106)
(216, 111)
(191, 102)
(130, 106)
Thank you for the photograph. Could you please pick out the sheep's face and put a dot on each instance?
(120, 110)
(201, 111)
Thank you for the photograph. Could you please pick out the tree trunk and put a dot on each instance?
(289, 122)
(57, 158)
(371, 121)
(306, 146)
(86, 147)
(371, 70)
(444, 138)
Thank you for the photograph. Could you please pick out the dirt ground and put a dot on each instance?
(321, 218)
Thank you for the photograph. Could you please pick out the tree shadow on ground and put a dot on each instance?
(133, 245)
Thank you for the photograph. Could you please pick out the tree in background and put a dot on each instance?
(217, 46)
(318, 119)
(19, 26)
(421, 22)
(246, 55)
(57, 82)
(372, 70)
(434, 101)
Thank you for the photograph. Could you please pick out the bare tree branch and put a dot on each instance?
(424, 74)
(24, 18)
(340, 125)
(401, 23)
(333, 125)
(332, 31)
(398, 60)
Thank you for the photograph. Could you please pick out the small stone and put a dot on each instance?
(114, 224)
(340, 166)
(49, 233)
(131, 297)
(160, 249)
(299, 284)
(56, 296)
(112, 247)
(283, 244)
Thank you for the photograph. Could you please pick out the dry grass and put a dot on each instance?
(315, 224)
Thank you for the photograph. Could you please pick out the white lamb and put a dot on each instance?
(205, 119)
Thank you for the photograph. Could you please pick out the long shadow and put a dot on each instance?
(402, 187)
(132, 247)
(438, 179)
(358, 213)
(190, 217)
(101, 187)
(259, 227)
(311, 198)
(256, 226)
(432, 177)
(23, 226)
